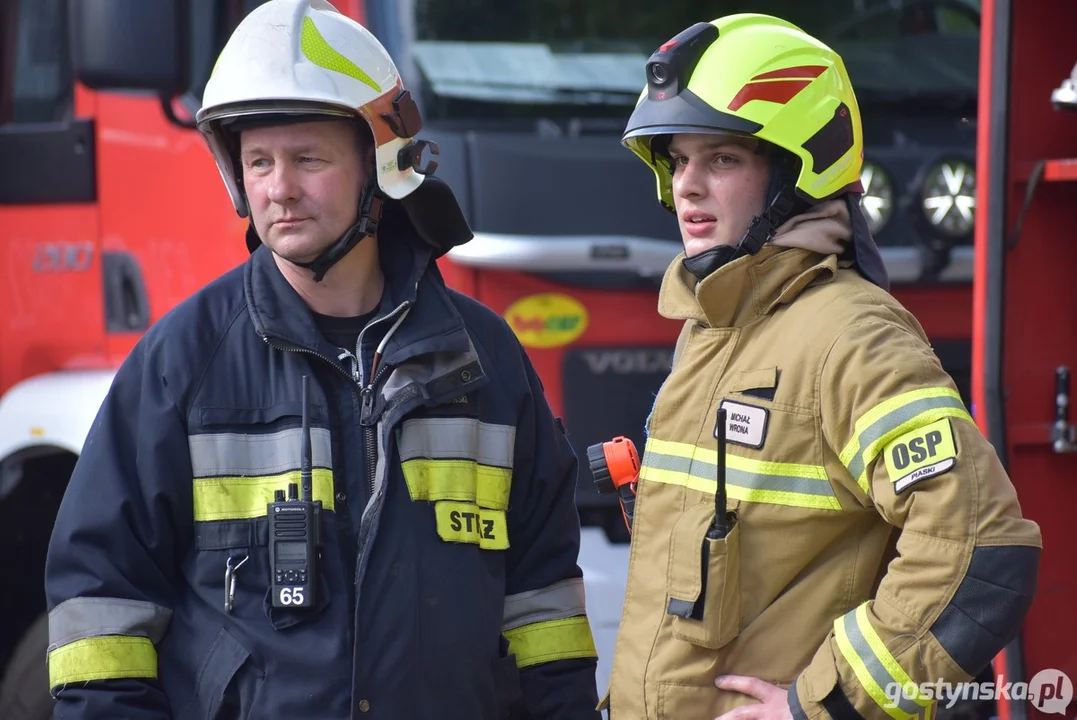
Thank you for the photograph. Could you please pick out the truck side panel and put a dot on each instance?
(1026, 331)
(162, 201)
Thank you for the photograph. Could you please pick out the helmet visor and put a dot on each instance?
(684, 113)
(274, 109)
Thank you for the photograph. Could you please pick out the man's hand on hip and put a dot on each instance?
(773, 701)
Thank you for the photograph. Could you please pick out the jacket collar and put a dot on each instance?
(411, 277)
(744, 290)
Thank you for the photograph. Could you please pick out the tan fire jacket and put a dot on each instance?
(878, 543)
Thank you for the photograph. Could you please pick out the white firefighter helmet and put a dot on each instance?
(303, 57)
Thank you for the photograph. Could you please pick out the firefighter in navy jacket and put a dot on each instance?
(447, 582)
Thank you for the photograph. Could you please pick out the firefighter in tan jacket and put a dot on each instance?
(874, 542)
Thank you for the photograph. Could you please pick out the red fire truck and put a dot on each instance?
(1023, 330)
(111, 212)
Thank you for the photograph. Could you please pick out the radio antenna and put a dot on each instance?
(305, 460)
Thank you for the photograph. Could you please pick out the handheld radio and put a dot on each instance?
(723, 519)
(721, 525)
(295, 533)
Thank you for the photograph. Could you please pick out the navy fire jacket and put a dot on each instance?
(447, 584)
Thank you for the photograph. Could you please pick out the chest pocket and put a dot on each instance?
(464, 467)
(704, 579)
(774, 455)
(239, 458)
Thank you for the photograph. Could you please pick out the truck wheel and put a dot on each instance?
(24, 694)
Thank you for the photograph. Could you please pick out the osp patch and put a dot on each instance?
(923, 453)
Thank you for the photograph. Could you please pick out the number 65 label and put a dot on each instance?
(291, 596)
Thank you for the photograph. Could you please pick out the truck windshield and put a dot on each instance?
(591, 54)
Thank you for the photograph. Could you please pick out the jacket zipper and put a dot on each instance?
(366, 399)
(370, 439)
(293, 348)
(366, 392)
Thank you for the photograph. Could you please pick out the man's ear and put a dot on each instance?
(367, 150)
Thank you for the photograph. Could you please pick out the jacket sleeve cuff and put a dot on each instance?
(836, 704)
(795, 708)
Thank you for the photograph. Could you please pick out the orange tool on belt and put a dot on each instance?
(615, 468)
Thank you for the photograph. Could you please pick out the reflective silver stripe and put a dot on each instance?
(751, 479)
(87, 617)
(875, 667)
(236, 454)
(561, 600)
(457, 438)
(893, 419)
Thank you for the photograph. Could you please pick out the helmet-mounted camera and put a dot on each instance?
(671, 65)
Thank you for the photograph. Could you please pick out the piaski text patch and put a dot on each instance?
(467, 523)
(920, 454)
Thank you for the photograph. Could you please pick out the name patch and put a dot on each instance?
(467, 523)
(745, 424)
(920, 454)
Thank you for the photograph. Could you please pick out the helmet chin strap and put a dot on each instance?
(371, 202)
(760, 231)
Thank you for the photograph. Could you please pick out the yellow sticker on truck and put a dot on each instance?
(547, 320)
(920, 454)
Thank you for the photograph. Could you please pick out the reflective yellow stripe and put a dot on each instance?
(318, 50)
(878, 671)
(241, 498)
(895, 417)
(878, 647)
(462, 480)
(551, 640)
(110, 657)
(760, 481)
